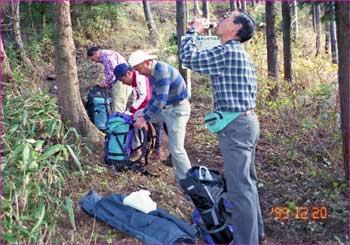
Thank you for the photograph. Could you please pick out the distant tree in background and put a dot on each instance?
(154, 34)
(73, 112)
(271, 45)
(317, 19)
(205, 8)
(287, 49)
(294, 23)
(342, 14)
(15, 17)
(5, 64)
(196, 9)
(333, 34)
(233, 5)
(243, 5)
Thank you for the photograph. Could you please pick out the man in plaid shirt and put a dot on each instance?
(110, 59)
(234, 88)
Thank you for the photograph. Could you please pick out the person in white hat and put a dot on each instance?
(169, 103)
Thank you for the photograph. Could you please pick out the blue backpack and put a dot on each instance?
(99, 106)
(207, 190)
(118, 145)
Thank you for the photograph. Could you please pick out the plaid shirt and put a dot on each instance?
(232, 71)
(168, 87)
(110, 59)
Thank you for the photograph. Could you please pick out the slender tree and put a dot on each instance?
(205, 8)
(150, 22)
(326, 39)
(271, 44)
(181, 23)
(233, 5)
(342, 10)
(196, 9)
(317, 27)
(73, 112)
(243, 5)
(295, 24)
(15, 16)
(333, 33)
(287, 50)
(5, 64)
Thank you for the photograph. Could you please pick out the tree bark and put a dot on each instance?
(5, 66)
(233, 5)
(243, 5)
(271, 44)
(196, 9)
(342, 10)
(73, 112)
(294, 24)
(333, 32)
(17, 33)
(287, 50)
(153, 32)
(205, 8)
(181, 23)
(326, 39)
(318, 28)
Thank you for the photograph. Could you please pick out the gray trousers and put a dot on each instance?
(237, 144)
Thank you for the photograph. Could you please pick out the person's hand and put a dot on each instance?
(140, 122)
(199, 24)
(103, 85)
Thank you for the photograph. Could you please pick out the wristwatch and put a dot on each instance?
(192, 30)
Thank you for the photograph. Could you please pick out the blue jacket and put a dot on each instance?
(156, 227)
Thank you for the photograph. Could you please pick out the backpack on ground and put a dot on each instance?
(120, 143)
(98, 106)
(207, 190)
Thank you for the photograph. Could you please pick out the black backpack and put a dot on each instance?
(207, 190)
(98, 106)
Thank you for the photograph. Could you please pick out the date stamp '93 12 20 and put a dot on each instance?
(315, 213)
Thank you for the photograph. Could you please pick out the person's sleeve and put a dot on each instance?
(208, 61)
(158, 101)
(108, 70)
(141, 88)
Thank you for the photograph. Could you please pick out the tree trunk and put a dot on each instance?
(342, 10)
(181, 23)
(326, 39)
(333, 31)
(75, 13)
(153, 32)
(238, 4)
(196, 9)
(244, 5)
(5, 66)
(205, 8)
(271, 44)
(73, 112)
(287, 50)
(295, 23)
(318, 28)
(31, 16)
(17, 33)
(233, 5)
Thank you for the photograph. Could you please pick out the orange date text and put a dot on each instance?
(316, 213)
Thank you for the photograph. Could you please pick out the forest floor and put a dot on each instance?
(283, 182)
(295, 171)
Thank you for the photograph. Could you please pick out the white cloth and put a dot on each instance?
(141, 201)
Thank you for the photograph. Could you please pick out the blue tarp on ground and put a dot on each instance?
(156, 227)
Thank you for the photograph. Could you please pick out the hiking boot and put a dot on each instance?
(155, 156)
(135, 154)
(262, 237)
(168, 162)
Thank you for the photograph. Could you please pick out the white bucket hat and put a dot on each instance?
(138, 57)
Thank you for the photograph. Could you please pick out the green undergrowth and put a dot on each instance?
(38, 151)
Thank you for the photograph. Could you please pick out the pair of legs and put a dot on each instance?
(176, 119)
(120, 96)
(238, 143)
